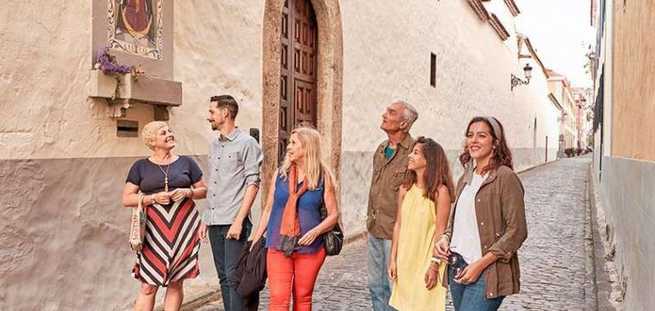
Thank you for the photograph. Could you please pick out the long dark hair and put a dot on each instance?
(501, 155)
(437, 171)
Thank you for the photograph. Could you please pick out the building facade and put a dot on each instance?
(561, 94)
(624, 146)
(69, 133)
(583, 98)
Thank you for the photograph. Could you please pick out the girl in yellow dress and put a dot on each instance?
(424, 204)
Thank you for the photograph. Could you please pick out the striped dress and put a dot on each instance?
(171, 244)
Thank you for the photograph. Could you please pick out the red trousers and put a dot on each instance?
(295, 274)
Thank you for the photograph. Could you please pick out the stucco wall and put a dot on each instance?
(45, 73)
(626, 191)
(64, 236)
(473, 78)
(63, 166)
(625, 165)
(634, 97)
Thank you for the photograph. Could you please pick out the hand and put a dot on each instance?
(309, 237)
(181, 193)
(432, 276)
(162, 198)
(442, 249)
(470, 274)
(392, 270)
(234, 233)
(202, 232)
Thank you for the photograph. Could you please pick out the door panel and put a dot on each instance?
(298, 100)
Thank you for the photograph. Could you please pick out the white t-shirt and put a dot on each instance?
(466, 237)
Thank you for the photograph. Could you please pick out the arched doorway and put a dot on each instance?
(299, 61)
(306, 88)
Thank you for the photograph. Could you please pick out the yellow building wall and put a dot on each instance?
(633, 130)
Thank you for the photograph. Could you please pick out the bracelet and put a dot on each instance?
(435, 259)
(139, 199)
(442, 237)
(190, 193)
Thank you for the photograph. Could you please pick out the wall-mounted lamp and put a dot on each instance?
(516, 81)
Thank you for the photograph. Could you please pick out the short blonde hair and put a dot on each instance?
(310, 140)
(149, 132)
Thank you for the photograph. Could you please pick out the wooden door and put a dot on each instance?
(298, 100)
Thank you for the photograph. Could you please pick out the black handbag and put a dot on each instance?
(333, 239)
(250, 274)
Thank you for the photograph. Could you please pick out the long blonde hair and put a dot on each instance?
(310, 140)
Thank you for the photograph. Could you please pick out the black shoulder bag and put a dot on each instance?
(333, 239)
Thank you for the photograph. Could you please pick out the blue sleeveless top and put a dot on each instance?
(309, 214)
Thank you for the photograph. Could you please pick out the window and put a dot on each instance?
(433, 70)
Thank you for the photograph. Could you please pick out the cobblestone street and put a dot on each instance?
(555, 260)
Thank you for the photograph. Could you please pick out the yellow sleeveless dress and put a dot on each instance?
(414, 252)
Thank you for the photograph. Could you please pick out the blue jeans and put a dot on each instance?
(472, 297)
(226, 257)
(379, 251)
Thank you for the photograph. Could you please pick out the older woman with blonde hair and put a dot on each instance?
(166, 184)
(293, 224)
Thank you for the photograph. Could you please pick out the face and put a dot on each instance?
(393, 119)
(216, 116)
(295, 151)
(164, 139)
(416, 158)
(479, 140)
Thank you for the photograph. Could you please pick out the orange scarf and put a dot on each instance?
(290, 226)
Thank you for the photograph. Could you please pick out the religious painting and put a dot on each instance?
(135, 27)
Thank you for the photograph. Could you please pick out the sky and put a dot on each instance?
(561, 33)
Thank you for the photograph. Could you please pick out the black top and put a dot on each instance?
(182, 173)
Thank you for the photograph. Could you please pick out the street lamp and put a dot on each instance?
(516, 81)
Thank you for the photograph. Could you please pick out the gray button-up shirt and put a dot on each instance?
(234, 162)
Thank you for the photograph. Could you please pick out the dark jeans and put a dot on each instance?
(472, 297)
(226, 257)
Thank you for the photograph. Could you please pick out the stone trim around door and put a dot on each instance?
(330, 79)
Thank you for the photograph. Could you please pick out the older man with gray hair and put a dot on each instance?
(389, 169)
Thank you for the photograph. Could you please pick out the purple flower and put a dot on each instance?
(109, 65)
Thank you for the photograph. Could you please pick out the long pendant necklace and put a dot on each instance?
(165, 176)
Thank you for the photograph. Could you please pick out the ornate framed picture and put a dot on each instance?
(135, 26)
(137, 32)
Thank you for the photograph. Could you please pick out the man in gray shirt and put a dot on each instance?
(234, 161)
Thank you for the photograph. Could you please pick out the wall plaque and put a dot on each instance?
(135, 27)
(137, 33)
